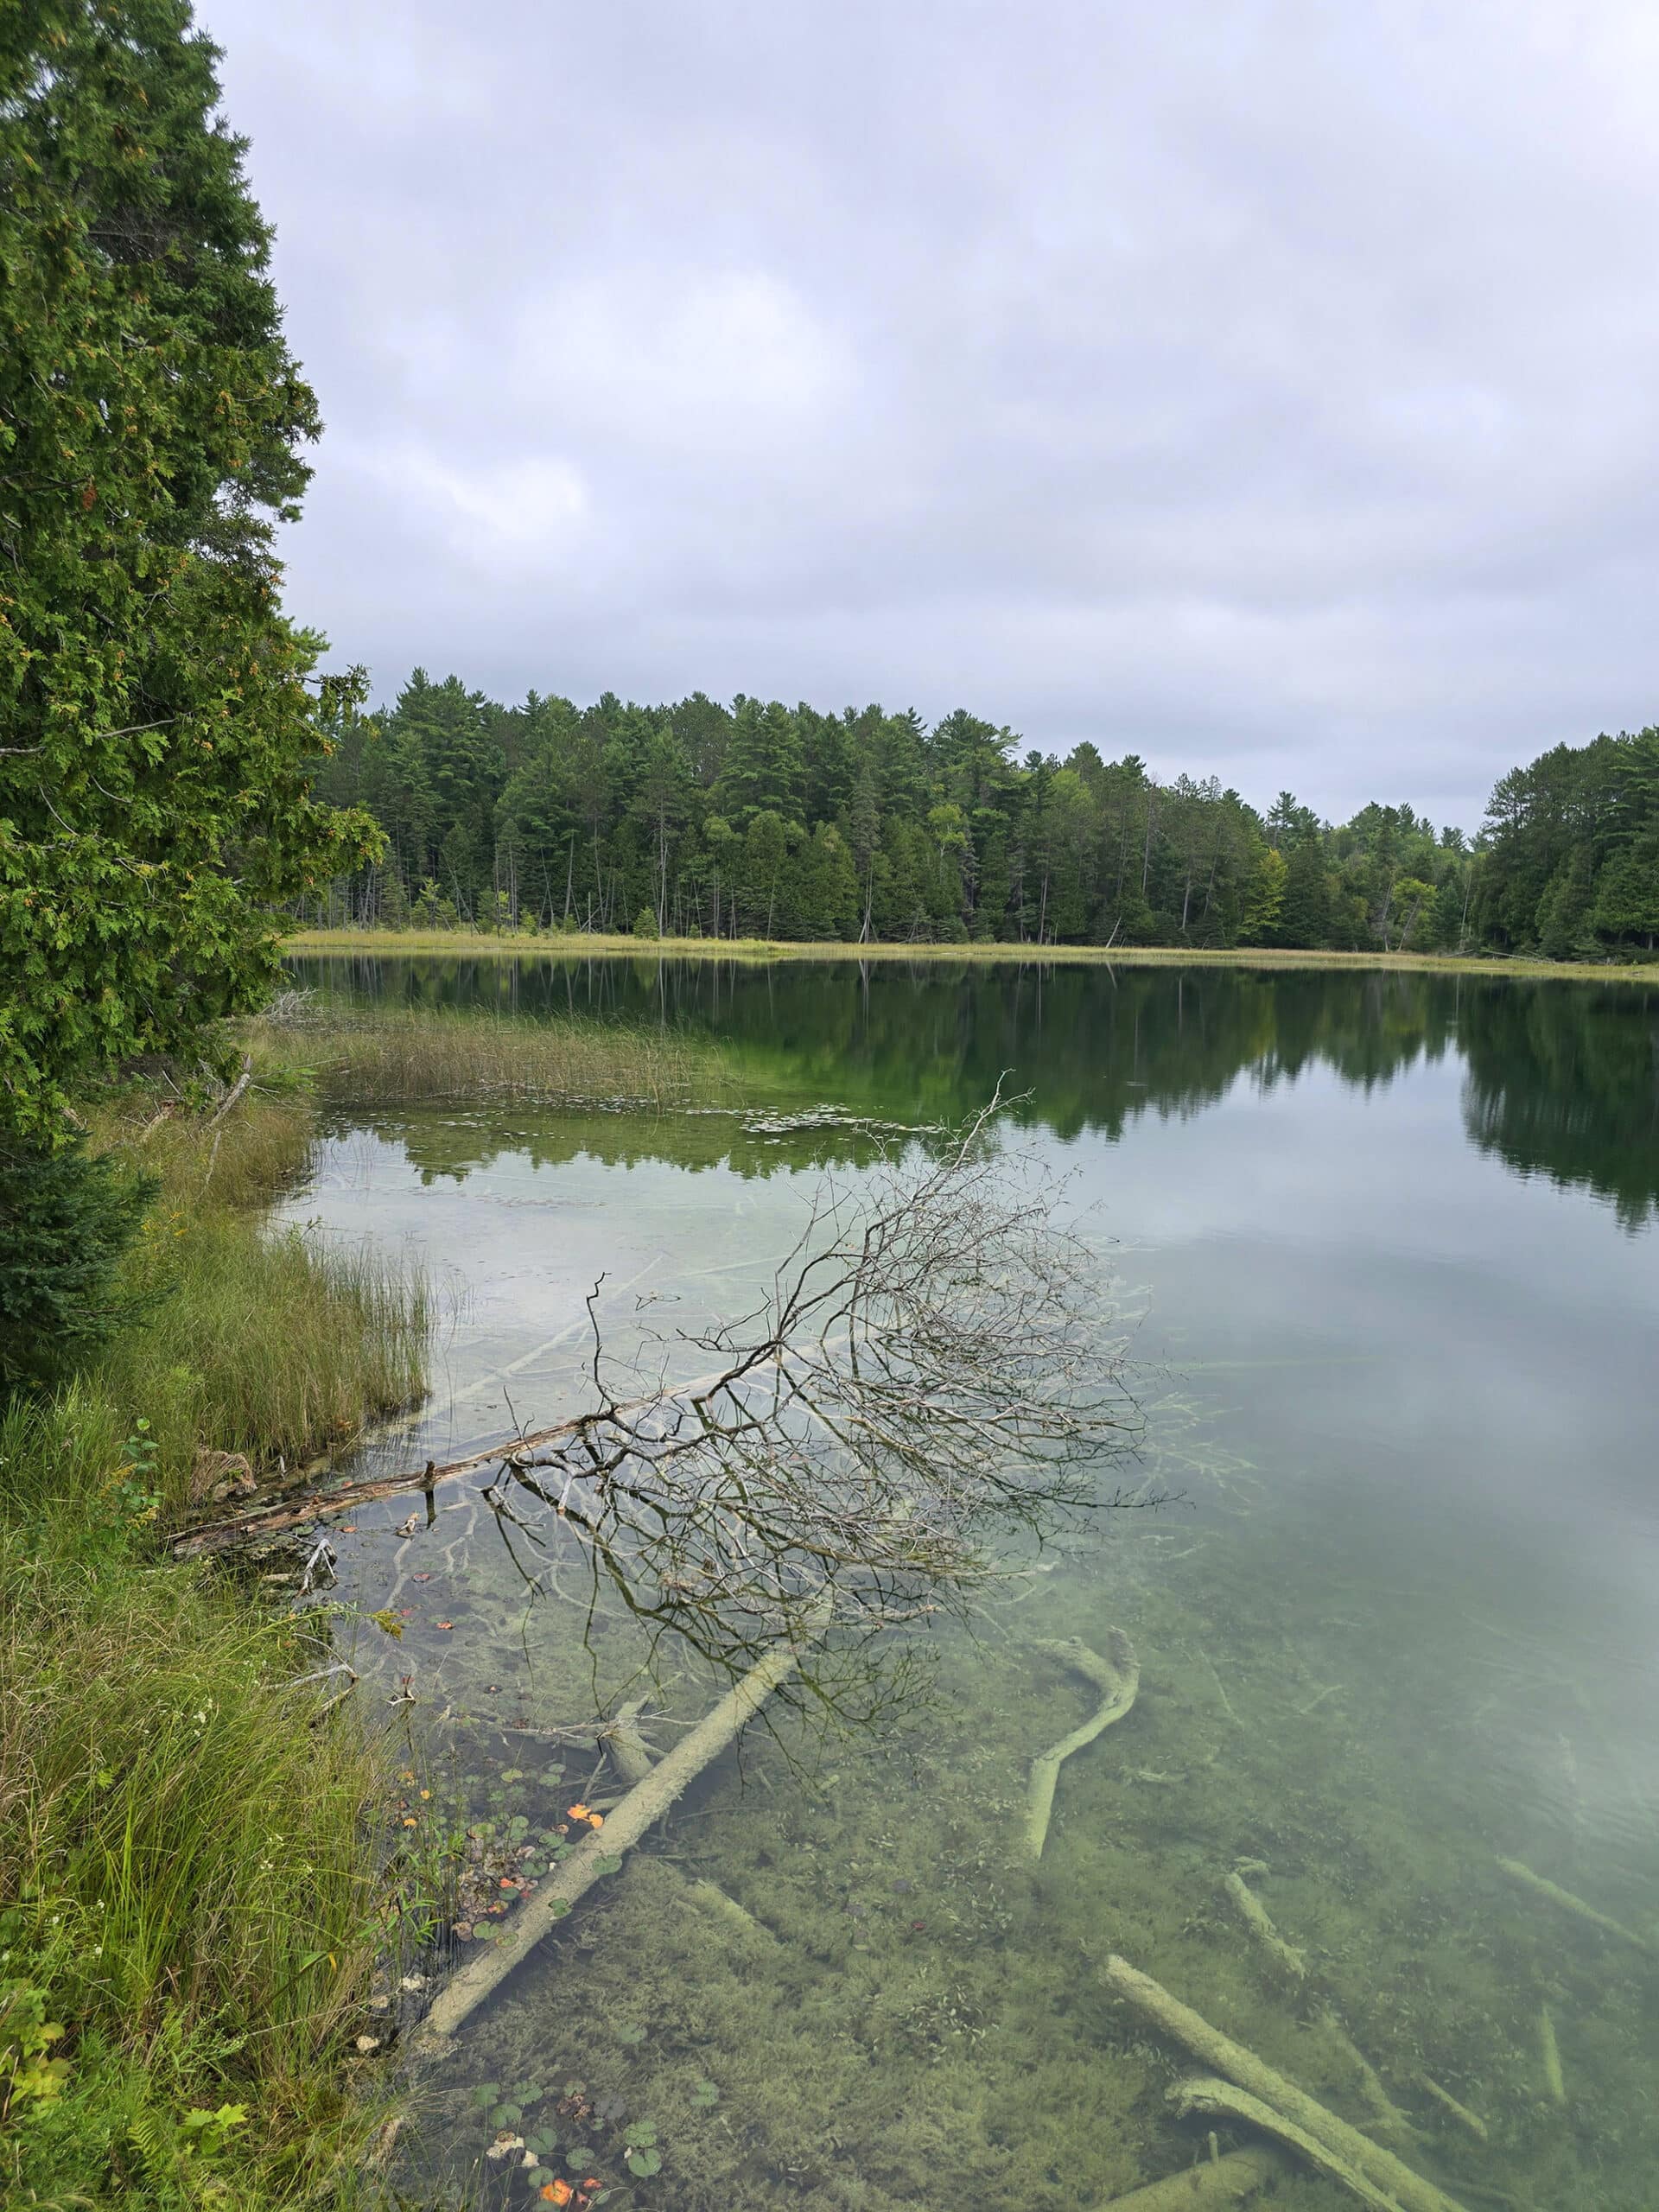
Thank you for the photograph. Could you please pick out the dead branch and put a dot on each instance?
(235, 1092)
(928, 1370)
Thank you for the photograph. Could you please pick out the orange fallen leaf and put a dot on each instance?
(445, 1623)
(557, 2192)
(579, 1812)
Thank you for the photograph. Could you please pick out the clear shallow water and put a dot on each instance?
(1390, 1243)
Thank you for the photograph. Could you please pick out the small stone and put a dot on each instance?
(366, 2043)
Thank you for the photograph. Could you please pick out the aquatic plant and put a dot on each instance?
(405, 1053)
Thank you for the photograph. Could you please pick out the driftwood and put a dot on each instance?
(1386, 2173)
(1202, 2188)
(1567, 1902)
(1117, 1679)
(1254, 1914)
(1220, 2100)
(643, 1806)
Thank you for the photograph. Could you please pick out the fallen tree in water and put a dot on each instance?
(927, 1370)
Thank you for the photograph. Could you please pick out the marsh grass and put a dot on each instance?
(483, 945)
(190, 1875)
(413, 1053)
(274, 1345)
(268, 1343)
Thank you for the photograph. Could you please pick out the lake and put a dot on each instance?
(1381, 1249)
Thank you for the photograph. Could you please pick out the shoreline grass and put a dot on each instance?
(406, 1054)
(191, 1873)
(268, 1343)
(755, 950)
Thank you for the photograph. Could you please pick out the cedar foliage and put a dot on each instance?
(66, 1220)
(158, 740)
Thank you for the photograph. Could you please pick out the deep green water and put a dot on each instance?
(1387, 1248)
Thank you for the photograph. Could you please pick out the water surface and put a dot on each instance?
(1386, 1243)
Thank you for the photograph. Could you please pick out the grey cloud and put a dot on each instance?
(1268, 388)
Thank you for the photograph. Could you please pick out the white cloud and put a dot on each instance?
(1273, 388)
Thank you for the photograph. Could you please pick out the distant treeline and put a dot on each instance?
(759, 820)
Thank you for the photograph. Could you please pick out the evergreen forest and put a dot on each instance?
(762, 820)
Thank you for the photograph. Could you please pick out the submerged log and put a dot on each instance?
(1254, 1914)
(1476, 2125)
(1214, 2182)
(639, 1810)
(1118, 1679)
(1246, 2071)
(1220, 2100)
(1551, 1892)
(627, 1748)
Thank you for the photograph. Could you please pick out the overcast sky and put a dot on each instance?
(1270, 389)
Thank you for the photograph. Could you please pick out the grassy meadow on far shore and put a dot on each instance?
(554, 944)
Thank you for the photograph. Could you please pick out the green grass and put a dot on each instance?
(191, 1874)
(410, 1053)
(267, 1343)
(474, 944)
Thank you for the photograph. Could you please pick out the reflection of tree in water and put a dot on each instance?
(1562, 1076)
(1563, 1081)
(1096, 1048)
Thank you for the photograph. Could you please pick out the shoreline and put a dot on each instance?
(756, 951)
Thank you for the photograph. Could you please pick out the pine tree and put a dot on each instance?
(1304, 917)
(1627, 894)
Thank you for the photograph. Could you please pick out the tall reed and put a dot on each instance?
(270, 1342)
